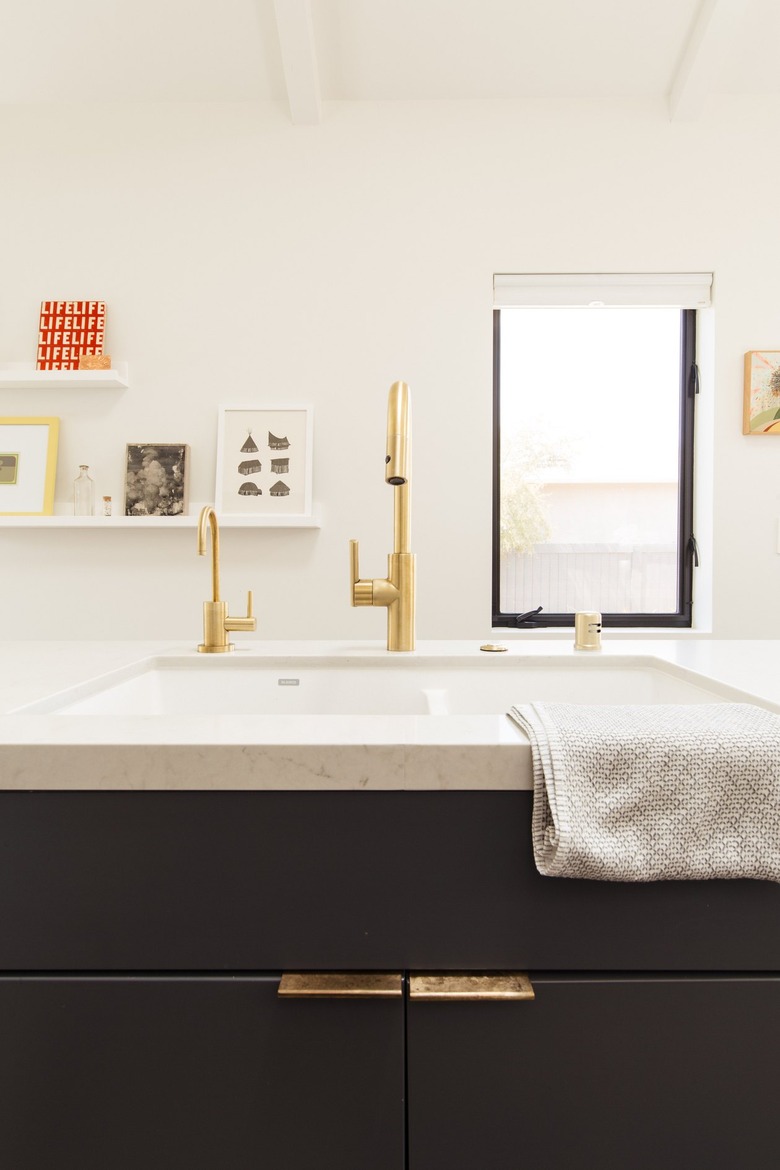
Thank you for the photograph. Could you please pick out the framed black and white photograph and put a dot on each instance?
(28, 465)
(157, 479)
(264, 460)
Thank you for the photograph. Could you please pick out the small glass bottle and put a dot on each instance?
(106, 505)
(83, 493)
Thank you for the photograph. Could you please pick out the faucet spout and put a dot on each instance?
(397, 458)
(209, 517)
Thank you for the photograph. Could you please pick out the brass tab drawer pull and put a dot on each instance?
(481, 985)
(341, 985)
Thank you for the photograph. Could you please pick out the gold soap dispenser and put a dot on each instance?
(587, 630)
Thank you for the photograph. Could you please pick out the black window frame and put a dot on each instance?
(687, 551)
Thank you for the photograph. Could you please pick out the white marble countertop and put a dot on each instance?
(323, 752)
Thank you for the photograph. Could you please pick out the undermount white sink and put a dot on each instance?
(187, 686)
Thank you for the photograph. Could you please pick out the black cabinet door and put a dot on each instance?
(614, 1073)
(192, 1073)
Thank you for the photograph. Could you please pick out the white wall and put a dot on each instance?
(243, 259)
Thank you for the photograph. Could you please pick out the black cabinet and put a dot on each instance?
(195, 1073)
(609, 1072)
(140, 1027)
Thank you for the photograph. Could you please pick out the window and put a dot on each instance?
(595, 380)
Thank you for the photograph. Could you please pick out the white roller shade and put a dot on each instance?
(683, 290)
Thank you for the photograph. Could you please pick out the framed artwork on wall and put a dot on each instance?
(761, 411)
(28, 465)
(264, 461)
(157, 479)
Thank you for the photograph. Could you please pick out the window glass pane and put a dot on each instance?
(589, 424)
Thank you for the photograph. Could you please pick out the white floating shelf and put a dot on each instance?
(24, 376)
(160, 522)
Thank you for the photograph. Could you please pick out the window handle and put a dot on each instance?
(693, 380)
(525, 621)
(693, 549)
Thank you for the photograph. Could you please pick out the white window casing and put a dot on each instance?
(683, 290)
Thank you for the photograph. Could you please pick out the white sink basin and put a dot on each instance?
(175, 686)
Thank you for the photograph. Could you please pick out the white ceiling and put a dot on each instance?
(308, 51)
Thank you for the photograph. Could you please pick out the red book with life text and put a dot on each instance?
(68, 330)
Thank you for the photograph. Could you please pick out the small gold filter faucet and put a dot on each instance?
(216, 620)
(396, 591)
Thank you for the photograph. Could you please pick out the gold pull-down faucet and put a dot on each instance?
(216, 621)
(396, 591)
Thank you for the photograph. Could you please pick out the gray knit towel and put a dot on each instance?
(654, 792)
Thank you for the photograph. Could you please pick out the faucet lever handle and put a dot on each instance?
(248, 623)
(360, 592)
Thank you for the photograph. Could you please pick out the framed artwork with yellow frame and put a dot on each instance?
(28, 465)
(761, 401)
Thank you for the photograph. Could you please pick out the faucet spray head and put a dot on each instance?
(397, 458)
(208, 518)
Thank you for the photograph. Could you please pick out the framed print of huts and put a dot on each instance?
(264, 460)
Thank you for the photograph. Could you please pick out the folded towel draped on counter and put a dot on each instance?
(653, 793)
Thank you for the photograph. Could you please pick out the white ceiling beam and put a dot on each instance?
(712, 35)
(299, 60)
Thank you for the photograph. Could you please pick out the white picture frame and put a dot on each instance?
(264, 462)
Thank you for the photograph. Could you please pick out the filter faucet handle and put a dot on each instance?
(247, 623)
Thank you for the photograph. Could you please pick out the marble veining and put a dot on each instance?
(317, 752)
